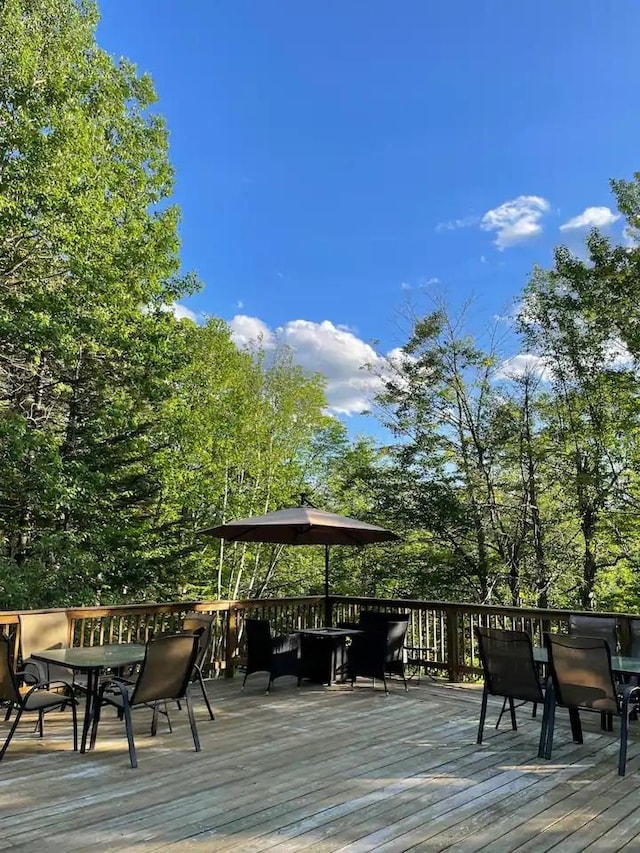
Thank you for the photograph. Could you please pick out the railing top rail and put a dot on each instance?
(466, 607)
(142, 608)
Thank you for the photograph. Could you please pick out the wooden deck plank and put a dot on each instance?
(321, 770)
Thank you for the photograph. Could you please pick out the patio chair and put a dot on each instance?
(200, 624)
(582, 679)
(394, 626)
(633, 649)
(37, 697)
(586, 625)
(277, 655)
(165, 673)
(39, 631)
(378, 650)
(509, 672)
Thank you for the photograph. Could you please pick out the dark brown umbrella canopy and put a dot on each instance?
(302, 525)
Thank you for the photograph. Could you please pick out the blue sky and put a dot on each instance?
(336, 158)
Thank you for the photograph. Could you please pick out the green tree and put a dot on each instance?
(593, 407)
(87, 241)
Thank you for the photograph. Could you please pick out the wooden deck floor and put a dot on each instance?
(321, 770)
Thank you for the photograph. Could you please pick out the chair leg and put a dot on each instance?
(41, 722)
(11, 733)
(74, 718)
(548, 722)
(624, 732)
(8, 714)
(96, 720)
(501, 714)
(206, 698)
(534, 710)
(483, 714)
(512, 712)
(129, 727)
(154, 720)
(576, 725)
(192, 723)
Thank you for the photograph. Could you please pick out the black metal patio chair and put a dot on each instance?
(509, 672)
(581, 679)
(200, 624)
(587, 625)
(165, 674)
(39, 697)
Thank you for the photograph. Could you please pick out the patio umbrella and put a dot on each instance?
(303, 525)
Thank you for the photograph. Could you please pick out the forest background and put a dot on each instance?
(125, 430)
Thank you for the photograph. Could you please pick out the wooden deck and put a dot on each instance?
(319, 770)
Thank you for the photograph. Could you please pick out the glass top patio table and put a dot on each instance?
(84, 658)
(92, 659)
(619, 663)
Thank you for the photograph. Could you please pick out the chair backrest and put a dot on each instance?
(581, 671)
(259, 643)
(634, 638)
(586, 625)
(40, 631)
(396, 632)
(507, 661)
(8, 685)
(200, 624)
(166, 670)
(375, 620)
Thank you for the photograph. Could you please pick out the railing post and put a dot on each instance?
(453, 644)
(328, 612)
(231, 641)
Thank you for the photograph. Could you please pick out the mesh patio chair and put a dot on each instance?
(509, 672)
(634, 638)
(200, 624)
(586, 625)
(37, 697)
(39, 631)
(581, 678)
(277, 655)
(165, 674)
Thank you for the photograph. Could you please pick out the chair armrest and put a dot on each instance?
(285, 643)
(25, 676)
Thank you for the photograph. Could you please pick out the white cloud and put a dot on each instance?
(630, 237)
(251, 332)
(515, 220)
(523, 364)
(404, 285)
(455, 224)
(617, 356)
(591, 217)
(334, 351)
(180, 312)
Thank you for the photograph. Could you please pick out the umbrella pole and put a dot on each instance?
(327, 603)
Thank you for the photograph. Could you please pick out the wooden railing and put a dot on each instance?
(440, 636)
